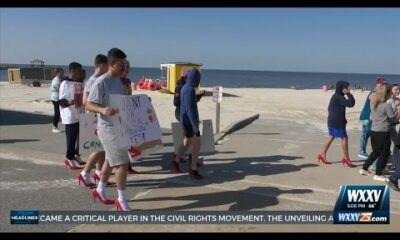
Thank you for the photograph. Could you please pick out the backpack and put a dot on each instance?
(177, 94)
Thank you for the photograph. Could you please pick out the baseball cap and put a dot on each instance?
(380, 81)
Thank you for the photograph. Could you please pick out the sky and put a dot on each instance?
(345, 40)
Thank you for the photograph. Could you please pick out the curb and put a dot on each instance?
(235, 127)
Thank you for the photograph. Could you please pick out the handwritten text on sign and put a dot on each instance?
(136, 121)
(88, 139)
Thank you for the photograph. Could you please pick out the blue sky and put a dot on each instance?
(354, 40)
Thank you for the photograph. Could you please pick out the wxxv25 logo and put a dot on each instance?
(362, 205)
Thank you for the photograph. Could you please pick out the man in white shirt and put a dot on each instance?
(69, 113)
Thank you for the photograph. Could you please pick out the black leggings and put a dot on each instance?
(56, 117)
(72, 133)
(380, 142)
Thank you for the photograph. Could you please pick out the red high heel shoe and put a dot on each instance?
(70, 166)
(195, 174)
(119, 206)
(79, 160)
(96, 179)
(97, 195)
(347, 163)
(322, 159)
(175, 167)
(87, 184)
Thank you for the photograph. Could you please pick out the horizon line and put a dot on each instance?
(250, 70)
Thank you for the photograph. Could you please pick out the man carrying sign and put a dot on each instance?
(99, 101)
(96, 157)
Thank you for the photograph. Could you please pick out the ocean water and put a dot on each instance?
(260, 79)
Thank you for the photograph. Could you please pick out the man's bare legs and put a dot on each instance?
(327, 145)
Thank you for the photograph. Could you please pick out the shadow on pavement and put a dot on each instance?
(239, 168)
(17, 140)
(21, 118)
(224, 94)
(247, 199)
(257, 133)
(228, 170)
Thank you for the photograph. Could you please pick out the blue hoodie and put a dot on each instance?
(189, 116)
(337, 106)
(366, 111)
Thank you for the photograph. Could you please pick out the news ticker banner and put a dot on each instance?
(176, 217)
(356, 204)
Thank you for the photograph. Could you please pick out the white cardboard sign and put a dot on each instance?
(136, 122)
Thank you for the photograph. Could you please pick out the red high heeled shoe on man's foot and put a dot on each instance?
(79, 160)
(97, 179)
(97, 195)
(71, 165)
(322, 159)
(195, 174)
(346, 162)
(82, 179)
(175, 167)
(120, 206)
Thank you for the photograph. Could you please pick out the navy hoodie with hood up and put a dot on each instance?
(337, 106)
(189, 116)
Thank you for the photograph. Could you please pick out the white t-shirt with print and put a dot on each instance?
(70, 114)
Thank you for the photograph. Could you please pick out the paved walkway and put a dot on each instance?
(270, 165)
(266, 166)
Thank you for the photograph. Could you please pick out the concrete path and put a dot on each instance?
(267, 166)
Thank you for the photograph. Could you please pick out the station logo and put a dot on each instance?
(362, 205)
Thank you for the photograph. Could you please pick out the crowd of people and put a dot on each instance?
(72, 96)
(380, 120)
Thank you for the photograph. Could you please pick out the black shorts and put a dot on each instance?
(188, 131)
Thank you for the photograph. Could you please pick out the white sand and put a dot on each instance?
(303, 106)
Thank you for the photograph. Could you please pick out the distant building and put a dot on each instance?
(37, 63)
(37, 71)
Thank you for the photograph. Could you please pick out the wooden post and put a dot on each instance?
(218, 115)
(217, 98)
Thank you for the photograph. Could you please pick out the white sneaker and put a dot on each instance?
(363, 155)
(365, 173)
(379, 178)
(372, 170)
(56, 130)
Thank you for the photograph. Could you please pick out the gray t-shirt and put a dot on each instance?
(89, 83)
(380, 117)
(100, 94)
(392, 102)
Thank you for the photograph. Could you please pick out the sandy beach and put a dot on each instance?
(302, 106)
